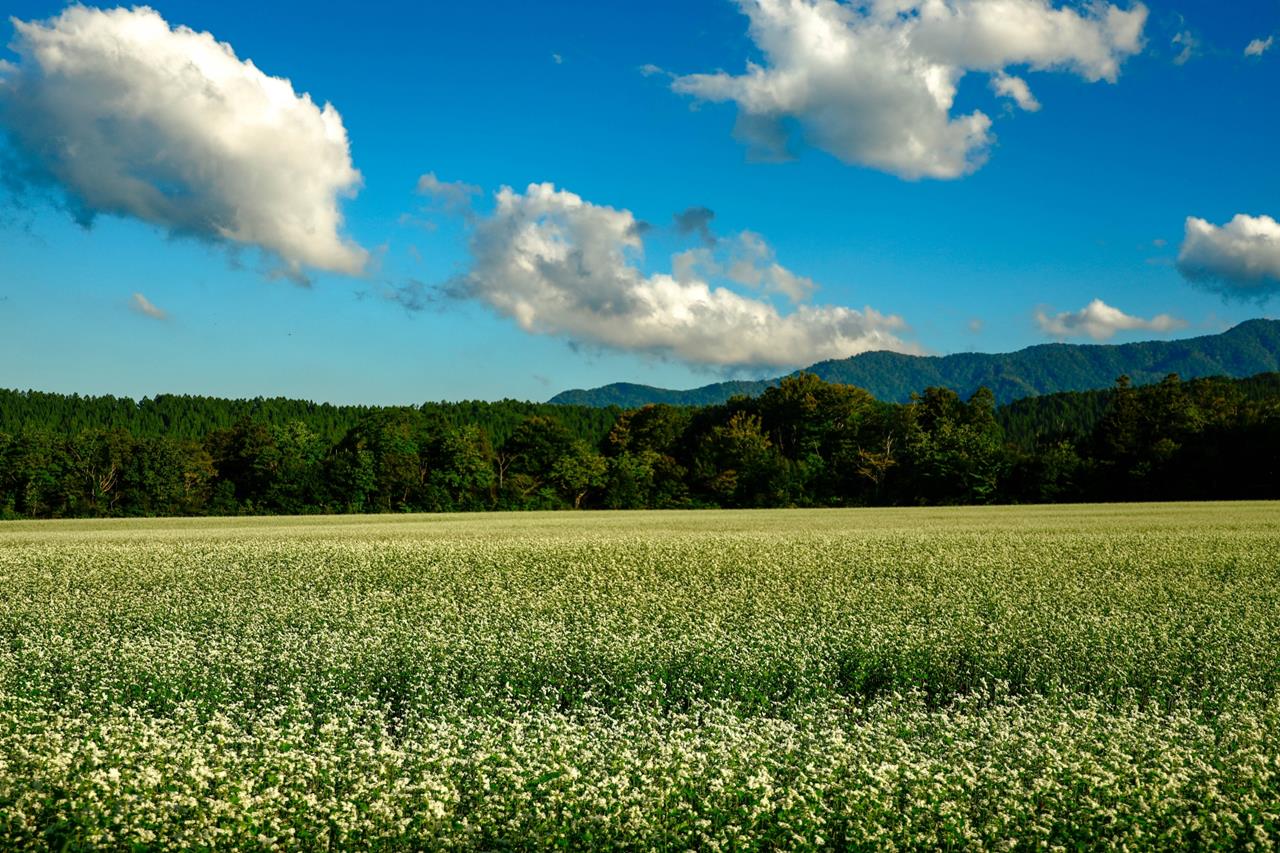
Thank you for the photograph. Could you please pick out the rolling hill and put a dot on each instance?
(1247, 349)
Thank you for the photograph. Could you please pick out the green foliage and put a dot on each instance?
(463, 470)
(954, 451)
(805, 442)
(578, 470)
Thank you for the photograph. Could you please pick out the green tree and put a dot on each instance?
(165, 477)
(96, 460)
(383, 461)
(528, 458)
(295, 486)
(644, 447)
(464, 468)
(247, 461)
(819, 427)
(737, 464)
(629, 480)
(954, 449)
(33, 471)
(577, 471)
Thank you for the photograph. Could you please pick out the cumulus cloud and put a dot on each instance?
(1257, 47)
(874, 82)
(147, 308)
(136, 118)
(744, 259)
(1240, 259)
(559, 265)
(1100, 321)
(753, 263)
(1008, 86)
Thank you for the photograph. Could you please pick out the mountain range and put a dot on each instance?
(1244, 350)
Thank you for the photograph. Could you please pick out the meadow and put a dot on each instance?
(1058, 678)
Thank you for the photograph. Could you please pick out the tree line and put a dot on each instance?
(803, 443)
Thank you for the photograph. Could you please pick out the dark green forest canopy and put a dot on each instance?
(186, 417)
(1070, 415)
(803, 442)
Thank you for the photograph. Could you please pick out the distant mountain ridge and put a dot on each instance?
(1251, 347)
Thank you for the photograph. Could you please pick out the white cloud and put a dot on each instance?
(168, 125)
(1100, 321)
(559, 265)
(1240, 259)
(874, 82)
(1257, 47)
(453, 196)
(146, 307)
(1008, 86)
(752, 263)
(1190, 47)
(745, 259)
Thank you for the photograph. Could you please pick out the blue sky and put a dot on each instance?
(1085, 199)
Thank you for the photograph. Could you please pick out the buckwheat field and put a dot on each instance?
(1007, 678)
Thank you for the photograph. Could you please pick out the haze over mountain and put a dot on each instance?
(1251, 347)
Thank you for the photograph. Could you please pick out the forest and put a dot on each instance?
(803, 443)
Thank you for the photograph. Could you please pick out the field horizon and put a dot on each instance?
(535, 518)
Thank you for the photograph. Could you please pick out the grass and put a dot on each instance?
(958, 678)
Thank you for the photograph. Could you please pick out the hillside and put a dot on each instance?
(1247, 349)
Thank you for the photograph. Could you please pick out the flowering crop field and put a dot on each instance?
(1045, 677)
